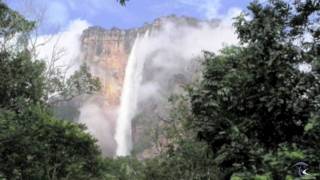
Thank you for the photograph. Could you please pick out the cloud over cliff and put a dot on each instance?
(64, 46)
(169, 53)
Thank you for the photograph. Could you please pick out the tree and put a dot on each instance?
(254, 105)
(34, 144)
(124, 168)
(181, 156)
(21, 80)
(79, 83)
(122, 2)
(11, 24)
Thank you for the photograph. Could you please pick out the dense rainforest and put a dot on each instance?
(252, 113)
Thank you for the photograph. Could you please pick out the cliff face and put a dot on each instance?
(106, 51)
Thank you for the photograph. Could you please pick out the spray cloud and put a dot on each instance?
(156, 61)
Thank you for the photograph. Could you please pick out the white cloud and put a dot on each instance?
(231, 13)
(169, 50)
(92, 112)
(211, 8)
(164, 55)
(66, 41)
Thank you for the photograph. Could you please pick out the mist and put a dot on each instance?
(62, 48)
(171, 57)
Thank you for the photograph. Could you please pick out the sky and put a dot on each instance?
(63, 22)
(109, 13)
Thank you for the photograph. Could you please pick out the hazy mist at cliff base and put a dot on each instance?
(173, 50)
(169, 53)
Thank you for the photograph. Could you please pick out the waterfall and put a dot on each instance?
(129, 99)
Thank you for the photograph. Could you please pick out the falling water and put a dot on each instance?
(129, 97)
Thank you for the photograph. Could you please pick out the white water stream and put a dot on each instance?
(129, 99)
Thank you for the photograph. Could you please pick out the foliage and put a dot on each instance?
(182, 157)
(12, 23)
(122, 2)
(123, 168)
(34, 144)
(255, 111)
(189, 160)
(253, 104)
(79, 83)
(21, 80)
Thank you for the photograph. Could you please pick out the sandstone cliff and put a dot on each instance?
(106, 51)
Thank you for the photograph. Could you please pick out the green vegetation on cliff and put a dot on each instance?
(33, 143)
(253, 113)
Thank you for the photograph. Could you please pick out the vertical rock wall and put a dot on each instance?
(106, 51)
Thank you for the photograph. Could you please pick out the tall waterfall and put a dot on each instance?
(129, 99)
